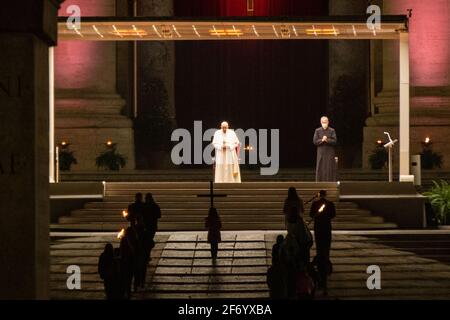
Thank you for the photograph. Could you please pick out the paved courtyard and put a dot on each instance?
(414, 265)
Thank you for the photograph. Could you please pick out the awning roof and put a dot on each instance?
(230, 28)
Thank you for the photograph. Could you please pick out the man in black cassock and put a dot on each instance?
(325, 139)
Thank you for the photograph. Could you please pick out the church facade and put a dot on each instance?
(94, 82)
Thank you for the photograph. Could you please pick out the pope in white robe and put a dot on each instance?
(226, 145)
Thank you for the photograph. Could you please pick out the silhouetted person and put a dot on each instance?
(146, 230)
(323, 266)
(276, 280)
(135, 210)
(128, 248)
(304, 284)
(152, 213)
(297, 227)
(118, 283)
(277, 246)
(106, 270)
(293, 200)
(213, 225)
(290, 258)
(323, 211)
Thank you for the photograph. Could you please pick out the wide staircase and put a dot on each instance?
(246, 206)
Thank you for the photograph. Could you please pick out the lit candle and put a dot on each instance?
(121, 234)
(125, 213)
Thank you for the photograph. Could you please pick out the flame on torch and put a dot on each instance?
(121, 234)
(321, 208)
(125, 213)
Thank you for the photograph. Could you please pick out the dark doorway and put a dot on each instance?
(255, 84)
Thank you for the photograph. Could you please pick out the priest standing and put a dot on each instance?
(226, 145)
(325, 139)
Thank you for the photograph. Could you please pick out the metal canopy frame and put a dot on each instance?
(230, 28)
(392, 27)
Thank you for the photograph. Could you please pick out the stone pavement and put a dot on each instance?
(181, 266)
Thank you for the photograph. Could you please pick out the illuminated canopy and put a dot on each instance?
(229, 28)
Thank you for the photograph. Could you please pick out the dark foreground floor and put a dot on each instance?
(414, 265)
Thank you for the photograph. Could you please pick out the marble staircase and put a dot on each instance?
(247, 206)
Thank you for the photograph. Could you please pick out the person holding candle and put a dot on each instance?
(134, 212)
(323, 211)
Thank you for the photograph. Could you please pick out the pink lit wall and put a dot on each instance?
(429, 39)
(86, 65)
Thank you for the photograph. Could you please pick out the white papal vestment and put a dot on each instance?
(227, 160)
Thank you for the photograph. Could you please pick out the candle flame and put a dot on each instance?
(321, 208)
(125, 213)
(427, 140)
(121, 234)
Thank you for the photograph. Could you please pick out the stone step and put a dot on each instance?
(221, 186)
(182, 209)
(197, 202)
(225, 219)
(106, 226)
(223, 211)
(128, 194)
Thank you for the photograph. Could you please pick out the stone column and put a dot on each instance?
(348, 60)
(24, 161)
(156, 60)
(89, 111)
(430, 79)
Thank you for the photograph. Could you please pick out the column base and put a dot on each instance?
(430, 117)
(87, 123)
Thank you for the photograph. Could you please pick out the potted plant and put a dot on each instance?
(428, 157)
(439, 197)
(66, 157)
(110, 159)
(379, 157)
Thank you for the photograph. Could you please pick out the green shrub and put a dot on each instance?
(439, 197)
(66, 159)
(430, 159)
(378, 158)
(111, 159)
